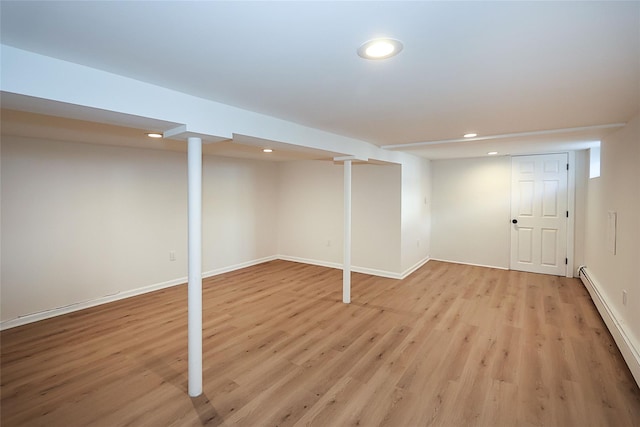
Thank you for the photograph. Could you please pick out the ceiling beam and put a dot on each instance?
(502, 136)
(353, 158)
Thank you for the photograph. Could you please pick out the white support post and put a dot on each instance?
(346, 271)
(194, 159)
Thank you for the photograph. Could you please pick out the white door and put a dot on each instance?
(539, 213)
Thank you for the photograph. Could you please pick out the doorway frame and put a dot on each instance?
(571, 207)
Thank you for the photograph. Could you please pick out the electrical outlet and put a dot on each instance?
(172, 255)
(624, 297)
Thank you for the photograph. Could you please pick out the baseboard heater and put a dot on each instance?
(629, 349)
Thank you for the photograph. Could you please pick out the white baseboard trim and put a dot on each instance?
(320, 263)
(470, 263)
(416, 266)
(46, 314)
(235, 267)
(59, 311)
(629, 348)
(374, 272)
(338, 266)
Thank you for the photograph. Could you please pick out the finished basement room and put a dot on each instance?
(319, 213)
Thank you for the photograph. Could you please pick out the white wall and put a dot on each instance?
(240, 213)
(82, 221)
(416, 213)
(617, 190)
(310, 211)
(470, 212)
(376, 196)
(311, 220)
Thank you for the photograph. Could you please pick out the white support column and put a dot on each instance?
(346, 271)
(194, 156)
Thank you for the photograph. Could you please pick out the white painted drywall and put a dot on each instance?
(470, 212)
(311, 214)
(376, 217)
(617, 190)
(416, 213)
(239, 204)
(83, 221)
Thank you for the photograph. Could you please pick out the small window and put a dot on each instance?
(594, 162)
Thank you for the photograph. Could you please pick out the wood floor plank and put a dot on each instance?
(450, 345)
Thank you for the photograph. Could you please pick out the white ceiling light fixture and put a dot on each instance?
(470, 135)
(492, 153)
(154, 135)
(267, 150)
(382, 48)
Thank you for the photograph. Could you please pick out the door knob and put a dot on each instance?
(515, 221)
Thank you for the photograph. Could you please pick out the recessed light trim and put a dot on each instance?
(492, 153)
(470, 135)
(154, 135)
(381, 48)
(267, 150)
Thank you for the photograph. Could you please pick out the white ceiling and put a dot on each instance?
(494, 68)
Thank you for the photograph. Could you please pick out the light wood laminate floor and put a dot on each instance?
(452, 345)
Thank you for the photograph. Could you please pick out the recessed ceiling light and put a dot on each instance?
(154, 135)
(267, 150)
(380, 49)
(470, 135)
(492, 153)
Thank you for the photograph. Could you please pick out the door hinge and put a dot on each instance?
(567, 166)
(566, 261)
(567, 214)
